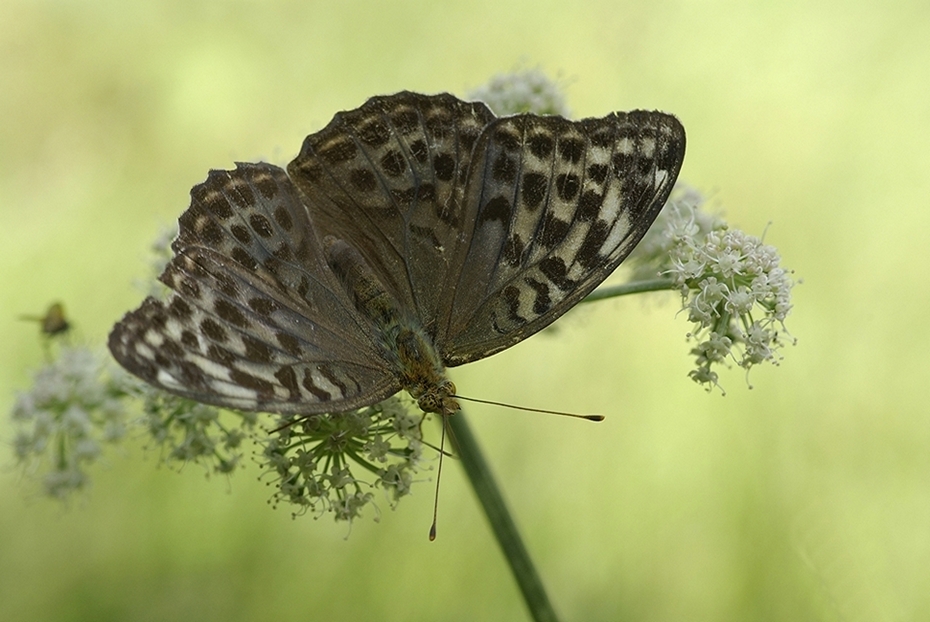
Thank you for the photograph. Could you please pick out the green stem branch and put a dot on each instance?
(633, 287)
(492, 501)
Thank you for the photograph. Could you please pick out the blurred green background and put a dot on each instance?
(805, 498)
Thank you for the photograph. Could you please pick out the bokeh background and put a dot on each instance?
(806, 497)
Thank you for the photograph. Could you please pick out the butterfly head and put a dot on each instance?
(422, 372)
(440, 399)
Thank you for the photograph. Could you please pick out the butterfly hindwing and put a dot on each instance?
(557, 205)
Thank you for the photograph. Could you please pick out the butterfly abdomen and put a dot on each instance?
(368, 294)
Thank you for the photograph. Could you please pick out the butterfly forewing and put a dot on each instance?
(556, 206)
(256, 319)
(388, 178)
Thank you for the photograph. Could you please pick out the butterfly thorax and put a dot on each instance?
(423, 374)
(419, 365)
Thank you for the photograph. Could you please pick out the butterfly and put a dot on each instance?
(415, 233)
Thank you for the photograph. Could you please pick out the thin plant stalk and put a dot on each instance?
(633, 287)
(492, 501)
(502, 524)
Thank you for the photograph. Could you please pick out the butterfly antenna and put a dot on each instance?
(442, 446)
(293, 421)
(532, 410)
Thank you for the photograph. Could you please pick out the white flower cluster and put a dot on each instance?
(311, 459)
(74, 407)
(189, 431)
(522, 91)
(732, 285)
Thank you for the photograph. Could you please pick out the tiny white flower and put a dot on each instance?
(740, 301)
(340, 477)
(704, 375)
(60, 484)
(23, 445)
(24, 406)
(397, 479)
(712, 291)
(701, 312)
(86, 449)
(715, 349)
(781, 309)
(685, 269)
(304, 461)
(414, 453)
(75, 421)
(377, 448)
(728, 263)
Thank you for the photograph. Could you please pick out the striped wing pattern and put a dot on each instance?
(256, 320)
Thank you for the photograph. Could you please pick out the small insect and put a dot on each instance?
(414, 233)
(53, 323)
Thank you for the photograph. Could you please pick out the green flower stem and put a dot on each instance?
(633, 287)
(505, 530)
(489, 495)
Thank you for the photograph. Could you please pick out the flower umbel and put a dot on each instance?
(189, 431)
(311, 459)
(731, 283)
(74, 407)
(522, 91)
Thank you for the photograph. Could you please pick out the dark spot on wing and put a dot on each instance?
(571, 149)
(230, 313)
(260, 225)
(498, 208)
(541, 145)
(535, 187)
(444, 165)
(213, 330)
(393, 164)
(283, 218)
(567, 186)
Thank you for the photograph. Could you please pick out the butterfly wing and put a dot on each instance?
(555, 207)
(256, 319)
(388, 179)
